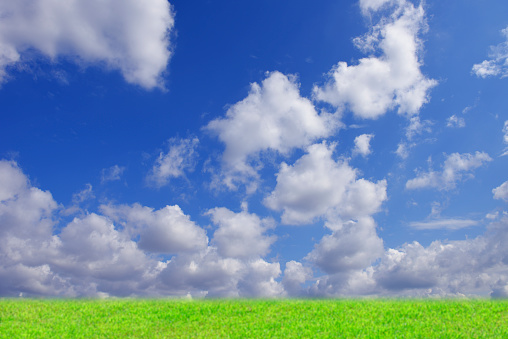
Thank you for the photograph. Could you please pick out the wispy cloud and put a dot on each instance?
(112, 173)
(181, 157)
(498, 62)
(451, 224)
(455, 168)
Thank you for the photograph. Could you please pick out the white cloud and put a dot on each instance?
(456, 268)
(94, 249)
(295, 275)
(505, 137)
(403, 150)
(12, 180)
(181, 157)
(476, 266)
(486, 68)
(89, 257)
(93, 257)
(208, 274)
(167, 230)
(505, 131)
(455, 122)
(362, 144)
(417, 127)
(126, 35)
(260, 280)
(373, 5)
(112, 173)
(273, 117)
(318, 186)
(241, 235)
(451, 224)
(353, 246)
(498, 63)
(83, 195)
(378, 84)
(25, 211)
(501, 192)
(455, 168)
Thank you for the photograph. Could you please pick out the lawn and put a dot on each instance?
(223, 318)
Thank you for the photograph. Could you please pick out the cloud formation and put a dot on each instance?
(273, 117)
(354, 245)
(451, 224)
(131, 36)
(393, 79)
(362, 145)
(181, 157)
(117, 253)
(167, 231)
(241, 235)
(501, 192)
(497, 65)
(317, 186)
(455, 122)
(505, 137)
(455, 168)
(89, 257)
(112, 173)
(476, 266)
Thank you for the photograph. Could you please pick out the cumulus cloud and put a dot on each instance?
(454, 268)
(167, 230)
(116, 253)
(241, 235)
(498, 62)
(455, 168)
(273, 117)
(181, 157)
(476, 266)
(92, 249)
(295, 275)
(501, 192)
(373, 5)
(25, 211)
(130, 36)
(260, 280)
(362, 145)
(353, 246)
(208, 274)
(88, 257)
(455, 122)
(378, 84)
(316, 186)
(112, 173)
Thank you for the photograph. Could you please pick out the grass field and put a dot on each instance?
(341, 318)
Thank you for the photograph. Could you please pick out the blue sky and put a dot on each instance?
(253, 149)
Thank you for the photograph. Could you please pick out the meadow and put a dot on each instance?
(224, 318)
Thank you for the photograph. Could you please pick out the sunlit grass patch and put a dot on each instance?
(253, 318)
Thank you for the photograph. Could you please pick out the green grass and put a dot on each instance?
(341, 318)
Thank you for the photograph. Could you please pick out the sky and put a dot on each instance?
(265, 148)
